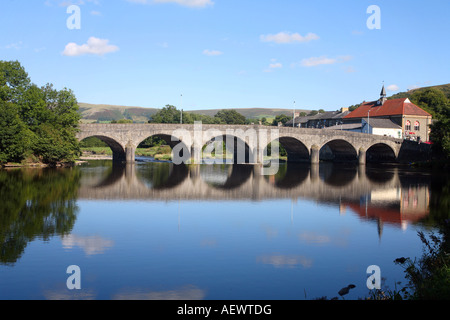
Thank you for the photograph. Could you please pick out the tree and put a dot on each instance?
(435, 102)
(168, 114)
(13, 80)
(43, 120)
(15, 138)
(281, 118)
(432, 100)
(230, 117)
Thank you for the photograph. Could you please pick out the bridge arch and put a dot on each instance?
(242, 151)
(296, 150)
(338, 150)
(119, 153)
(179, 149)
(380, 152)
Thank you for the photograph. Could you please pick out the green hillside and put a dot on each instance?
(445, 88)
(107, 113)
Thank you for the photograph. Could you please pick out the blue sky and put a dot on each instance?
(229, 53)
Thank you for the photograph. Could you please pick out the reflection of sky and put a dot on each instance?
(217, 250)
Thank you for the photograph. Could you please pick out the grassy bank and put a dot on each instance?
(158, 152)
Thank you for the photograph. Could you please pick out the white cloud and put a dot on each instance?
(16, 45)
(286, 37)
(185, 3)
(212, 52)
(350, 69)
(392, 87)
(317, 61)
(93, 46)
(285, 261)
(91, 245)
(275, 65)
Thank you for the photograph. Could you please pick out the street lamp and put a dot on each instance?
(293, 117)
(181, 105)
(368, 121)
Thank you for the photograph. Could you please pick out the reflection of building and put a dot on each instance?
(414, 121)
(396, 206)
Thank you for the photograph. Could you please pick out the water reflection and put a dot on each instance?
(387, 195)
(42, 203)
(159, 231)
(35, 204)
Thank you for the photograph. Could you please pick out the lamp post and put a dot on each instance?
(368, 121)
(181, 105)
(293, 117)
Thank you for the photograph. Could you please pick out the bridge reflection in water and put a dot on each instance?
(380, 194)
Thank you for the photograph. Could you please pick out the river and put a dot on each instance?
(153, 230)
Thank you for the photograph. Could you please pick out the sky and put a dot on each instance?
(209, 54)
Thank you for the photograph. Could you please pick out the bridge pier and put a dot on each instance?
(315, 154)
(362, 156)
(130, 153)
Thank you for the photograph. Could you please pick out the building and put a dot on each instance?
(320, 120)
(414, 121)
(377, 126)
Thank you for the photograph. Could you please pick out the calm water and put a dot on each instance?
(158, 231)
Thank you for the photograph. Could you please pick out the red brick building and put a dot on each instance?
(415, 122)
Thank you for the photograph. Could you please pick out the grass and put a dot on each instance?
(159, 153)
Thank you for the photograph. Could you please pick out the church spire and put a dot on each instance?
(383, 92)
(382, 96)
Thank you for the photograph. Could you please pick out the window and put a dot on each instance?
(416, 126)
(408, 126)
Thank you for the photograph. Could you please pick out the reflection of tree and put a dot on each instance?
(162, 175)
(35, 203)
(290, 175)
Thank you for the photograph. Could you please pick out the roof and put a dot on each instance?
(320, 116)
(392, 107)
(345, 126)
(382, 123)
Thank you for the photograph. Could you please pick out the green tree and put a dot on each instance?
(168, 114)
(15, 138)
(230, 117)
(281, 118)
(45, 120)
(435, 102)
(13, 80)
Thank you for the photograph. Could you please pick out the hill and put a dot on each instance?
(445, 88)
(107, 113)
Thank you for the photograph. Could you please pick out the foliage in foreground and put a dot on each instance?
(36, 122)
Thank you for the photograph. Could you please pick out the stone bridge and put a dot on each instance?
(248, 143)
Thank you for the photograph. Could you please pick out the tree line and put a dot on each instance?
(37, 124)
